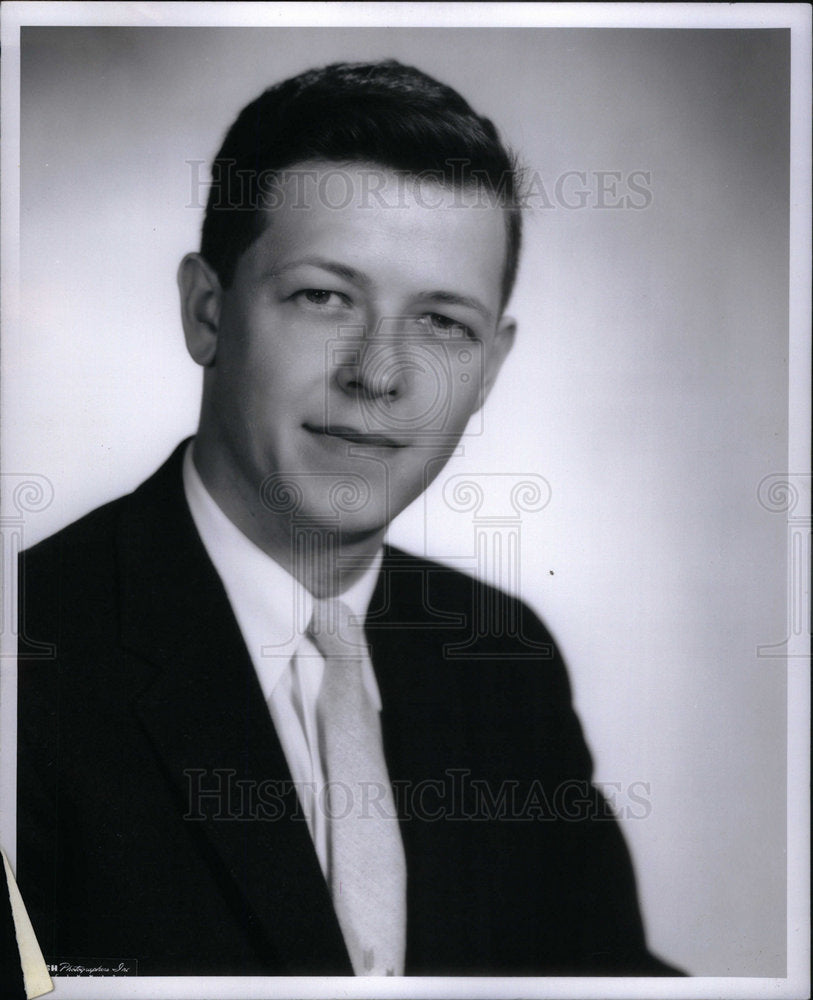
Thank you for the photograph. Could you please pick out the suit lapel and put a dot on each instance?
(209, 725)
(427, 736)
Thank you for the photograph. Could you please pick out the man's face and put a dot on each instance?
(352, 347)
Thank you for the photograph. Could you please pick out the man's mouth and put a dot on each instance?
(353, 436)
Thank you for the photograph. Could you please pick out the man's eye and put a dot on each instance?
(447, 326)
(322, 297)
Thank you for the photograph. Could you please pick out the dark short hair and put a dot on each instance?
(384, 113)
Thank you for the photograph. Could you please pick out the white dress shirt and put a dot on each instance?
(273, 611)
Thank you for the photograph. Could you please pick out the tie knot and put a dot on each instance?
(335, 630)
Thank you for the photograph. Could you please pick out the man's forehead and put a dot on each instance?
(366, 215)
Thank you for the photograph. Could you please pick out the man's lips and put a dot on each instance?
(353, 436)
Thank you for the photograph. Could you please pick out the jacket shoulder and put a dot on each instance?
(76, 538)
(91, 538)
(68, 584)
(430, 588)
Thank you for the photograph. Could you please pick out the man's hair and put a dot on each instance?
(384, 113)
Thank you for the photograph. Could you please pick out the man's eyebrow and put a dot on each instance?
(334, 267)
(454, 299)
(360, 279)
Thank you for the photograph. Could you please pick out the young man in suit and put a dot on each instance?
(219, 771)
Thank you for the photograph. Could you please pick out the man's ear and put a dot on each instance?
(201, 297)
(498, 352)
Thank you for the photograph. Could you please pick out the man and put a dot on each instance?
(216, 774)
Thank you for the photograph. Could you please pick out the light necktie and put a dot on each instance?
(366, 869)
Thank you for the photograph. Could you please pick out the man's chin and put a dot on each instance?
(345, 531)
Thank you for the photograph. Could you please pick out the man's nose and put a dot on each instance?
(379, 361)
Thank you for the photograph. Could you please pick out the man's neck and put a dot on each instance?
(325, 560)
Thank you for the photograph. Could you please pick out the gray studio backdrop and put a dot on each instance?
(646, 397)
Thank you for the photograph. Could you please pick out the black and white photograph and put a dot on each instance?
(405, 480)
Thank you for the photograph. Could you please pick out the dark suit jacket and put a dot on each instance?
(137, 697)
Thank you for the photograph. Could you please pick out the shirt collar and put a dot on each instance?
(272, 608)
